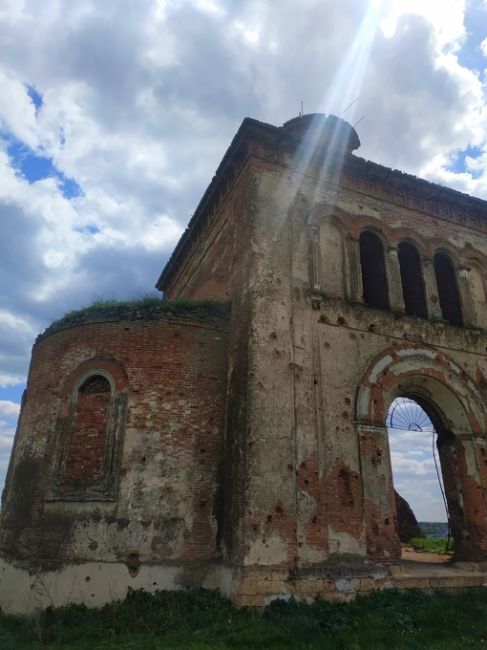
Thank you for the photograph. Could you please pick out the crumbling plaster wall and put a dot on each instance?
(319, 484)
(227, 243)
(305, 484)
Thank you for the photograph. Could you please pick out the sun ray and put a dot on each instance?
(341, 94)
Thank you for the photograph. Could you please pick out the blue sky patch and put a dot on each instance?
(470, 55)
(458, 161)
(12, 393)
(92, 229)
(36, 167)
(35, 97)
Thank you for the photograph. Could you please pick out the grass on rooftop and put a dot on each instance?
(147, 305)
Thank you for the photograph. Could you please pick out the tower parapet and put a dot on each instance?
(323, 131)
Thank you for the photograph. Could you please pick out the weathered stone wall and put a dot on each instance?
(325, 494)
(317, 485)
(215, 265)
(252, 454)
(220, 264)
(155, 499)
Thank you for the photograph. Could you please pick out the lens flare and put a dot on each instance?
(343, 92)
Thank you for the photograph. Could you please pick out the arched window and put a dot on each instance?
(88, 439)
(412, 280)
(447, 289)
(86, 454)
(374, 280)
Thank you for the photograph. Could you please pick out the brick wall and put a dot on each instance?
(88, 436)
(171, 376)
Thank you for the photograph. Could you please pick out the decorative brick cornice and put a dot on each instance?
(407, 191)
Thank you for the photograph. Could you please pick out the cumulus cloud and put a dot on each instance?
(9, 409)
(132, 105)
(414, 473)
(9, 412)
(412, 443)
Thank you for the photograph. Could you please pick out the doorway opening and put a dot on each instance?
(423, 521)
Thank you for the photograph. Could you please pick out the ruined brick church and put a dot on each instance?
(236, 437)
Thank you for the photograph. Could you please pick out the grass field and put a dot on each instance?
(435, 529)
(432, 545)
(202, 620)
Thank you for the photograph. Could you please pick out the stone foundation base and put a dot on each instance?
(95, 584)
(259, 586)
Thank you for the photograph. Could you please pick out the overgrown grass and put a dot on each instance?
(147, 306)
(439, 545)
(145, 301)
(433, 528)
(199, 619)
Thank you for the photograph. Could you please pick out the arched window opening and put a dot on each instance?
(447, 290)
(88, 436)
(374, 279)
(412, 280)
(423, 517)
(95, 384)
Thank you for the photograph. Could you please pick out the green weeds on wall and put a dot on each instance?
(145, 308)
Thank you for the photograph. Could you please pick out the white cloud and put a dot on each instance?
(414, 473)
(17, 112)
(410, 468)
(9, 409)
(9, 320)
(8, 417)
(446, 18)
(7, 379)
(211, 6)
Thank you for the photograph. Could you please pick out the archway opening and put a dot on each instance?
(423, 521)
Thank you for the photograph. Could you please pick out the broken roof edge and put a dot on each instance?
(397, 174)
(248, 125)
(267, 131)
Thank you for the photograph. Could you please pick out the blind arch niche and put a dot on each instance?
(88, 440)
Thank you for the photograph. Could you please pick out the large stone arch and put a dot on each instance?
(459, 413)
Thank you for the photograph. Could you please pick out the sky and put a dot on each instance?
(115, 114)
(416, 467)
